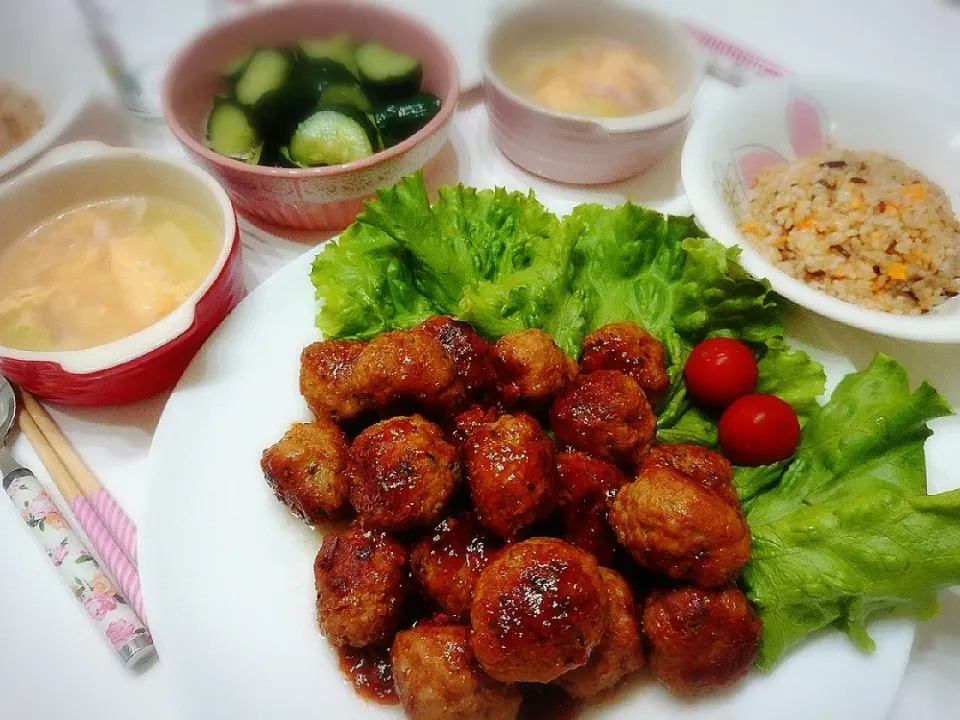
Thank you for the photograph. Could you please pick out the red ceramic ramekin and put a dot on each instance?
(153, 359)
(324, 198)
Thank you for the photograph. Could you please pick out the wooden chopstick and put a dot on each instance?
(81, 474)
(51, 461)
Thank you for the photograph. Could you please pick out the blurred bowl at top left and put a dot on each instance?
(45, 53)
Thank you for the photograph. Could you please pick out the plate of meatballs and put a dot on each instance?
(433, 525)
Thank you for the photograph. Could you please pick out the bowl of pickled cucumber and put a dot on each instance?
(302, 111)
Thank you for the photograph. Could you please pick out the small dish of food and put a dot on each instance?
(41, 93)
(588, 93)
(115, 265)
(325, 101)
(302, 111)
(844, 195)
(21, 117)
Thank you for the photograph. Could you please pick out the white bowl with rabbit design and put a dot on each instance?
(777, 122)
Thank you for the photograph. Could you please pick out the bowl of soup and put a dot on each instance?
(115, 266)
(588, 92)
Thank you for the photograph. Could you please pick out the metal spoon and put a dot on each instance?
(92, 587)
(8, 414)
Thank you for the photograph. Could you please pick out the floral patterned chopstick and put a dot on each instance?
(93, 588)
(114, 557)
(93, 498)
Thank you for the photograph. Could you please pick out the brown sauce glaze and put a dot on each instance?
(547, 702)
(370, 671)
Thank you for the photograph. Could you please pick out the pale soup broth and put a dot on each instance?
(587, 76)
(102, 271)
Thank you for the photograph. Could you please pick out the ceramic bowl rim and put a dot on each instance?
(178, 67)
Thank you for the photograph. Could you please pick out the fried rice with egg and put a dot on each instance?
(860, 226)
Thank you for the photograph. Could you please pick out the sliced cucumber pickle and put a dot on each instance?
(391, 74)
(400, 119)
(234, 69)
(267, 69)
(231, 134)
(351, 94)
(340, 48)
(332, 136)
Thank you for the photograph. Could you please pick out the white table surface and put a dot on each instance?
(53, 664)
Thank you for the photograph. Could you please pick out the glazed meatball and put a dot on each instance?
(468, 421)
(587, 487)
(327, 374)
(530, 369)
(627, 347)
(437, 677)
(607, 415)
(511, 472)
(539, 610)
(448, 561)
(408, 368)
(307, 470)
(402, 472)
(710, 469)
(470, 352)
(362, 586)
(621, 650)
(671, 523)
(700, 640)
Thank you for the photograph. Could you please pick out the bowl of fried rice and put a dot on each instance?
(843, 194)
(47, 69)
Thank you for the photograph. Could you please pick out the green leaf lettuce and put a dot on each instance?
(502, 262)
(849, 533)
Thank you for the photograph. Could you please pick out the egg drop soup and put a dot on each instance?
(593, 77)
(102, 271)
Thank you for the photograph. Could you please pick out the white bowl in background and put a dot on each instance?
(794, 117)
(44, 51)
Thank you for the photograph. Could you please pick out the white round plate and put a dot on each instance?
(228, 576)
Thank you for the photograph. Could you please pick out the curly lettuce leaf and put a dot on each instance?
(501, 261)
(793, 376)
(751, 481)
(662, 272)
(872, 427)
(695, 426)
(865, 552)
(848, 532)
(492, 256)
(367, 286)
(528, 287)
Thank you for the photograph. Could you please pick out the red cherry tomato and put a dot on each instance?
(719, 371)
(758, 429)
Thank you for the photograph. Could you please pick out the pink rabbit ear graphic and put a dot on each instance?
(807, 125)
(751, 160)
